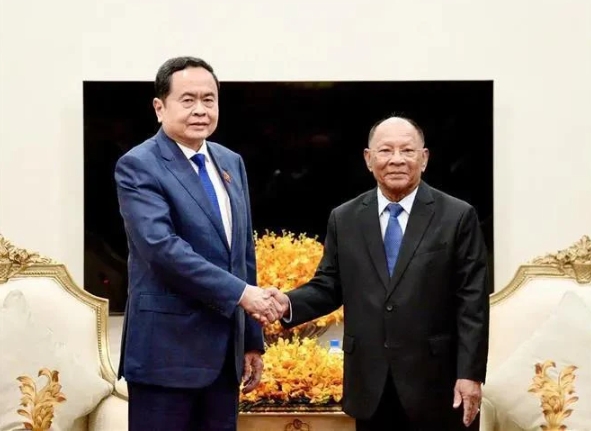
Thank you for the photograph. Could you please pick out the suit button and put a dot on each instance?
(389, 308)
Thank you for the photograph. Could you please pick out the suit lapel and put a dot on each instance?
(370, 226)
(420, 217)
(181, 168)
(224, 172)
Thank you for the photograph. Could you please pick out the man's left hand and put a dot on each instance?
(468, 393)
(253, 369)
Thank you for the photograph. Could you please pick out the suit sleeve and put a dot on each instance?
(253, 337)
(322, 294)
(147, 220)
(472, 298)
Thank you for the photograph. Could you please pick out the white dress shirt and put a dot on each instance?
(405, 203)
(218, 185)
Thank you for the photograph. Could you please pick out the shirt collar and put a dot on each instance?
(189, 152)
(405, 203)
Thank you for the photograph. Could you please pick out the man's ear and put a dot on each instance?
(158, 108)
(425, 159)
(367, 157)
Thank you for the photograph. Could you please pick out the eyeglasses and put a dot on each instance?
(386, 153)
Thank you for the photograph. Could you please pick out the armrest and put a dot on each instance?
(121, 389)
(110, 415)
(487, 416)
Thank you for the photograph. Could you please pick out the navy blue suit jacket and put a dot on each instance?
(185, 280)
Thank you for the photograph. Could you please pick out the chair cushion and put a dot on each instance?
(33, 363)
(110, 415)
(557, 355)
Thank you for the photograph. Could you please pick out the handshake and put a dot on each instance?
(265, 305)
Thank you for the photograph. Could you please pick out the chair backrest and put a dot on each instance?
(58, 303)
(534, 294)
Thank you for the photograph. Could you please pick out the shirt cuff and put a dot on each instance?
(243, 292)
(287, 319)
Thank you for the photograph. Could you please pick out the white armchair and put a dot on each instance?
(540, 333)
(53, 336)
(540, 346)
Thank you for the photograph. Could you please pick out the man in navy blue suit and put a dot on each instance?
(192, 329)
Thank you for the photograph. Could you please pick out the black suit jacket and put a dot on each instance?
(427, 325)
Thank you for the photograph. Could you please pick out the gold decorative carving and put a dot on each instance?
(574, 261)
(280, 420)
(297, 425)
(39, 404)
(556, 396)
(14, 260)
(30, 264)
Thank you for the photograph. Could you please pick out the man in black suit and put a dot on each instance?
(408, 262)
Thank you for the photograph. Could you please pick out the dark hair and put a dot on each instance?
(163, 77)
(412, 123)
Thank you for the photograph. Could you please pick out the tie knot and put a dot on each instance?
(395, 209)
(199, 160)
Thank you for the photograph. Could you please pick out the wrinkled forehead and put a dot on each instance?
(193, 79)
(395, 133)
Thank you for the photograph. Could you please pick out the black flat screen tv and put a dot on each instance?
(302, 143)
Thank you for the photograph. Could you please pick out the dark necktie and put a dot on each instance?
(393, 236)
(199, 160)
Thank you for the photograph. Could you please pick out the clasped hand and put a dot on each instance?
(265, 305)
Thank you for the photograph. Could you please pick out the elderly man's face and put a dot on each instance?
(396, 157)
(189, 114)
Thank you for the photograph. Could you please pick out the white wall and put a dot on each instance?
(538, 54)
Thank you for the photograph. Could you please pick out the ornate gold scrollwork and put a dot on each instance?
(574, 261)
(297, 425)
(14, 260)
(22, 263)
